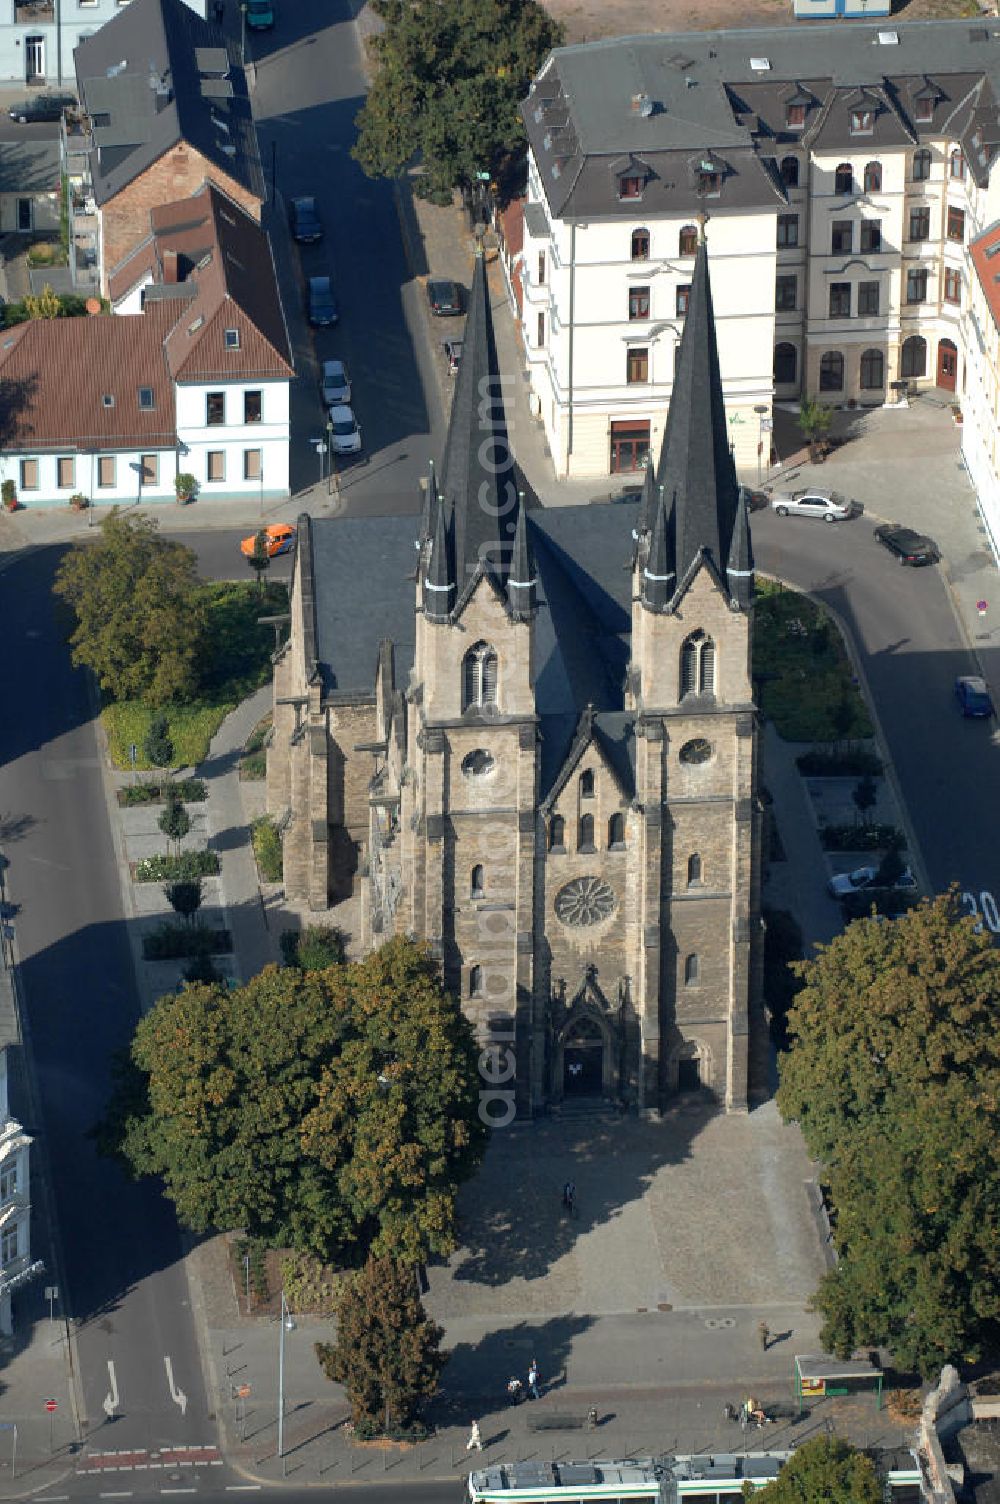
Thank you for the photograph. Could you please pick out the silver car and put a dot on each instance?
(828, 506)
(345, 433)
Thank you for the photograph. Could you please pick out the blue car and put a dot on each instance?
(973, 696)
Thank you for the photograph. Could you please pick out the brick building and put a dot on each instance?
(165, 109)
(529, 737)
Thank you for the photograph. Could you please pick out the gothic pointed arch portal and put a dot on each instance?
(585, 1057)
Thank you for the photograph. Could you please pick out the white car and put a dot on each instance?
(335, 383)
(864, 877)
(830, 506)
(345, 435)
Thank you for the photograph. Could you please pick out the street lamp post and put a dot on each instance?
(329, 456)
(761, 410)
(286, 1325)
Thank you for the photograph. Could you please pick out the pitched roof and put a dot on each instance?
(56, 373)
(985, 254)
(157, 74)
(213, 249)
(477, 477)
(665, 99)
(696, 465)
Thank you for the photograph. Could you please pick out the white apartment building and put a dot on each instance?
(981, 394)
(840, 173)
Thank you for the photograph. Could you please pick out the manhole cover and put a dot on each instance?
(719, 1323)
(664, 1306)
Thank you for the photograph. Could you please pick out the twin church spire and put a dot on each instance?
(692, 512)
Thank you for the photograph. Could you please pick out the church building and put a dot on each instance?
(527, 736)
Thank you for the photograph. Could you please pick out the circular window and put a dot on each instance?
(478, 764)
(586, 900)
(698, 750)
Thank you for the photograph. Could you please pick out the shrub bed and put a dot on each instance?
(160, 869)
(314, 948)
(179, 942)
(847, 762)
(267, 848)
(187, 790)
(375, 1430)
(804, 676)
(861, 838)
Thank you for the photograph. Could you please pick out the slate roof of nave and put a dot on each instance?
(364, 571)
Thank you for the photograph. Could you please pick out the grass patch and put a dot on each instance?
(240, 663)
(168, 869)
(267, 848)
(253, 762)
(179, 942)
(806, 684)
(840, 762)
(242, 1249)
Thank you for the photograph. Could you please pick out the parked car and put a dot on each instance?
(453, 355)
(280, 540)
(861, 878)
(757, 501)
(444, 296)
(345, 435)
(974, 696)
(335, 383)
(909, 547)
(40, 107)
(830, 506)
(260, 15)
(321, 303)
(307, 227)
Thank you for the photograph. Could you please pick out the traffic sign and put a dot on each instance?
(244, 1392)
(982, 607)
(51, 1406)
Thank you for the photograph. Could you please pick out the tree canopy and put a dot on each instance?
(334, 1111)
(449, 77)
(387, 1352)
(140, 623)
(825, 1470)
(894, 1076)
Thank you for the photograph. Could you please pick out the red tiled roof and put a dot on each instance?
(56, 373)
(985, 253)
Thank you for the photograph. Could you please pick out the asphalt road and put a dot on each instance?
(212, 1488)
(123, 1284)
(310, 86)
(910, 650)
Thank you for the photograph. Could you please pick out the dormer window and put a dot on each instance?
(925, 108)
(862, 122)
(232, 339)
(709, 178)
(631, 186)
(795, 116)
(146, 398)
(956, 165)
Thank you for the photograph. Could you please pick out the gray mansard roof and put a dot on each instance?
(660, 106)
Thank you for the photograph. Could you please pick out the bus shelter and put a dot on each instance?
(817, 1375)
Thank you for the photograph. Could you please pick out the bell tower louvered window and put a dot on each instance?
(479, 678)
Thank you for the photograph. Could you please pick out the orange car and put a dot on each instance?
(280, 538)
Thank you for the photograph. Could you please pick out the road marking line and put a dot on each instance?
(242, 1488)
(178, 1490)
(127, 1495)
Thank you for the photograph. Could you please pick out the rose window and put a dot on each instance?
(585, 900)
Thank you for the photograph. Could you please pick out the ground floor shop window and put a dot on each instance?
(629, 447)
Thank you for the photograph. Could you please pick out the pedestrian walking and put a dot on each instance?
(764, 1333)
(569, 1196)
(515, 1390)
(475, 1440)
(533, 1380)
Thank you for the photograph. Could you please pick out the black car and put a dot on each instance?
(444, 296)
(909, 547)
(307, 227)
(321, 303)
(40, 107)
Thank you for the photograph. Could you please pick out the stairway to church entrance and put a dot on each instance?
(583, 1061)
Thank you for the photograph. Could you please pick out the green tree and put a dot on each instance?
(259, 560)
(140, 623)
(184, 896)
(174, 821)
(334, 1111)
(158, 746)
(894, 1076)
(43, 305)
(825, 1470)
(449, 76)
(814, 420)
(387, 1352)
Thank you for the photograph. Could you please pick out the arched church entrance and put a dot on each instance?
(583, 1060)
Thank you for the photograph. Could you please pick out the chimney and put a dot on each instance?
(169, 266)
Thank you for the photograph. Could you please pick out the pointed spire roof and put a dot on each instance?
(429, 504)
(647, 502)
(695, 464)
(522, 579)
(439, 581)
(477, 471)
(739, 569)
(659, 578)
